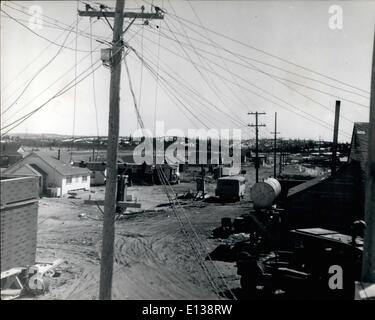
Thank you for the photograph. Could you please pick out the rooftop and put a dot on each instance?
(61, 167)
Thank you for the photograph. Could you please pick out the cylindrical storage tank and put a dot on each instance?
(265, 193)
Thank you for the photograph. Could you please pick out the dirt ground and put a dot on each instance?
(154, 258)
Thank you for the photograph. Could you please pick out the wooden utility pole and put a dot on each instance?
(335, 137)
(368, 263)
(106, 266)
(256, 141)
(274, 147)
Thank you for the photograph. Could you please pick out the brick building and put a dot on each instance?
(19, 221)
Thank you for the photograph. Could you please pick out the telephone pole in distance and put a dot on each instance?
(256, 125)
(274, 147)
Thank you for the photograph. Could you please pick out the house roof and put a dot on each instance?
(61, 167)
(308, 184)
(23, 169)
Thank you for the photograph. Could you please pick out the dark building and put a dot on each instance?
(332, 202)
(9, 154)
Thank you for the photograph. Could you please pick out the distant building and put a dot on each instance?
(144, 173)
(9, 154)
(98, 171)
(54, 175)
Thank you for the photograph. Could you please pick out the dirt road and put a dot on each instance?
(153, 257)
(157, 256)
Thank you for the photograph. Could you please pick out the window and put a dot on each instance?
(69, 180)
(84, 178)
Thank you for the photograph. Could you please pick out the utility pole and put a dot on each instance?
(335, 136)
(256, 141)
(106, 266)
(368, 263)
(274, 147)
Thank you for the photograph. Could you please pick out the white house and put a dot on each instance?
(53, 173)
(98, 171)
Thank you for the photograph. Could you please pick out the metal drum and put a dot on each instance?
(265, 193)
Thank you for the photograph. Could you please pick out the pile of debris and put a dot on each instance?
(32, 280)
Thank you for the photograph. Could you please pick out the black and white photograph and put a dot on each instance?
(187, 155)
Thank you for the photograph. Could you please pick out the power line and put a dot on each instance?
(218, 53)
(210, 84)
(65, 89)
(93, 86)
(37, 73)
(238, 55)
(275, 79)
(57, 24)
(139, 118)
(258, 87)
(35, 97)
(75, 88)
(200, 97)
(34, 60)
(252, 67)
(270, 54)
(39, 35)
(148, 67)
(157, 81)
(141, 76)
(59, 78)
(314, 118)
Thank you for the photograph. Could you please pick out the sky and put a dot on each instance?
(206, 65)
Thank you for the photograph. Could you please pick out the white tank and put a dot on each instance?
(265, 193)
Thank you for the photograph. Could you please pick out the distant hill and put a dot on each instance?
(38, 135)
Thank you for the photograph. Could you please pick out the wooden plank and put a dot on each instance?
(94, 202)
(111, 14)
(124, 204)
(49, 267)
(17, 204)
(364, 291)
(18, 282)
(11, 272)
(121, 204)
(11, 292)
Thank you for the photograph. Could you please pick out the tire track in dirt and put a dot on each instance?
(168, 269)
